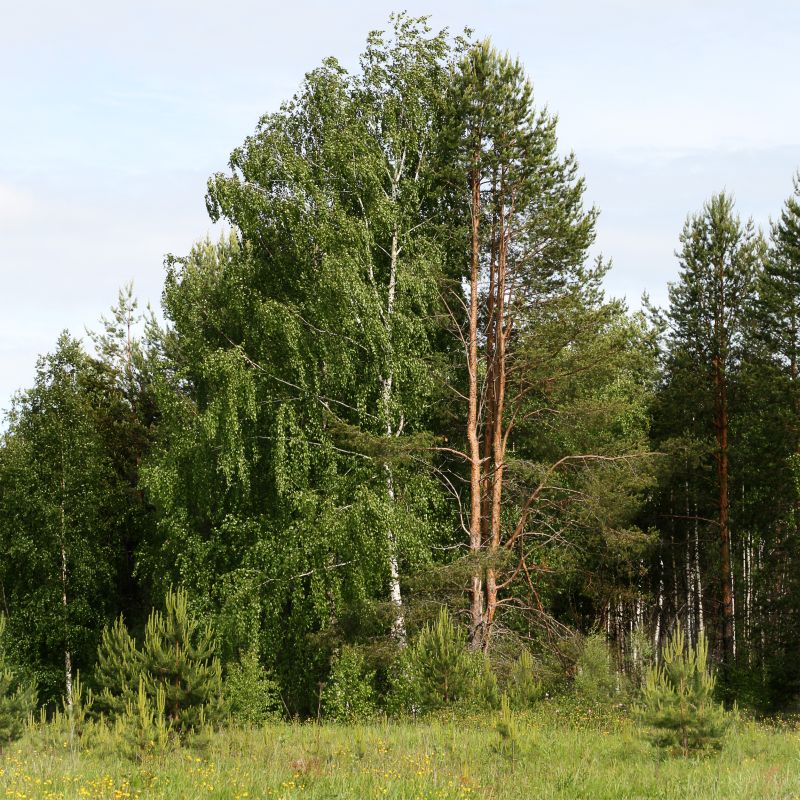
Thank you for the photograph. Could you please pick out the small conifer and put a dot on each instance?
(177, 658)
(441, 662)
(524, 689)
(118, 669)
(678, 698)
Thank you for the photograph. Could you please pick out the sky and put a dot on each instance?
(114, 114)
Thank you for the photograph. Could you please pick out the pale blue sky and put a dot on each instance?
(113, 114)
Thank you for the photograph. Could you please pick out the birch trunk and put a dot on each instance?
(63, 547)
(395, 594)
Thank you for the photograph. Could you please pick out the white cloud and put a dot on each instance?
(16, 205)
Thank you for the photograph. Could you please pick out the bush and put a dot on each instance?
(349, 695)
(17, 698)
(677, 701)
(506, 727)
(486, 691)
(145, 728)
(252, 697)
(640, 658)
(437, 670)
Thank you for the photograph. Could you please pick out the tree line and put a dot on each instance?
(395, 386)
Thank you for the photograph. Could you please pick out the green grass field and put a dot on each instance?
(558, 755)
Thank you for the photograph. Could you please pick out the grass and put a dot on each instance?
(559, 753)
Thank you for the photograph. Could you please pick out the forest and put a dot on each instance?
(390, 449)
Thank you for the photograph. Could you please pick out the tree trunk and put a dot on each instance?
(395, 595)
(721, 424)
(67, 652)
(698, 576)
(498, 442)
(476, 588)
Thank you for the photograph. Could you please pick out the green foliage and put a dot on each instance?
(349, 694)
(118, 668)
(506, 727)
(299, 371)
(63, 507)
(145, 726)
(640, 658)
(486, 689)
(596, 678)
(524, 689)
(17, 698)
(301, 466)
(441, 664)
(251, 695)
(177, 659)
(678, 699)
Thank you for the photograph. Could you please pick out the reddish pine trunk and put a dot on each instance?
(721, 426)
(476, 588)
(497, 439)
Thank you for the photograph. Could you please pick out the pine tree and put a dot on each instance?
(17, 699)
(118, 669)
(719, 259)
(441, 662)
(678, 698)
(178, 658)
(780, 289)
(526, 310)
(523, 687)
(775, 466)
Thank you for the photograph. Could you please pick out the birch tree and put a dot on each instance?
(305, 353)
(60, 505)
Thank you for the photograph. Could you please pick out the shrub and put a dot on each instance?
(178, 655)
(17, 698)
(251, 695)
(677, 701)
(486, 691)
(506, 727)
(349, 695)
(145, 727)
(640, 658)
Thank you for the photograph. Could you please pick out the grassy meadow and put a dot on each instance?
(557, 753)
